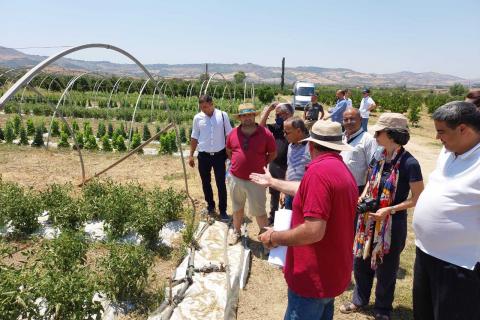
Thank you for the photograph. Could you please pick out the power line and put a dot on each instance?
(54, 47)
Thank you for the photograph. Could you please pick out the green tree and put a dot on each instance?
(80, 140)
(183, 135)
(106, 145)
(55, 128)
(101, 130)
(87, 129)
(120, 143)
(265, 94)
(9, 132)
(63, 140)
(457, 90)
(146, 132)
(239, 77)
(38, 139)
(23, 136)
(75, 126)
(136, 141)
(17, 122)
(91, 143)
(30, 127)
(110, 130)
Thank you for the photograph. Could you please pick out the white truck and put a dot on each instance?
(302, 94)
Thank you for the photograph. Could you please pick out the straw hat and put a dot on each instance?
(390, 120)
(328, 134)
(246, 108)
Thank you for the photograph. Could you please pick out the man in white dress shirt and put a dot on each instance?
(446, 281)
(209, 131)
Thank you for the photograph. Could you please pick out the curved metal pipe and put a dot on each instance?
(135, 111)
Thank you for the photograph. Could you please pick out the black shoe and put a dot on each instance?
(224, 217)
(211, 210)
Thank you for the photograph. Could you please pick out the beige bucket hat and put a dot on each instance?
(390, 120)
(328, 134)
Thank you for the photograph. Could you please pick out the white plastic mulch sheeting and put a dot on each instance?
(206, 298)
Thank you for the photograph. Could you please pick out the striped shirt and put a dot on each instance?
(298, 157)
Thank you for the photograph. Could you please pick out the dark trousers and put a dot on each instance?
(278, 173)
(206, 162)
(386, 272)
(442, 290)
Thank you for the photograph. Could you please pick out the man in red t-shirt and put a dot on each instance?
(250, 148)
(319, 256)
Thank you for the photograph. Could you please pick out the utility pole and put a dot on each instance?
(282, 81)
(206, 71)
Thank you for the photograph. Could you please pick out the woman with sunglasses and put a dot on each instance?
(382, 230)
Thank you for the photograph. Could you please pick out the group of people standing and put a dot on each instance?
(347, 188)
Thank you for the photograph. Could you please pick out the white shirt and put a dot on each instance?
(211, 131)
(364, 146)
(364, 105)
(446, 219)
(349, 103)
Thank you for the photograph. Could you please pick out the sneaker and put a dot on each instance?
(233, 237)
(349, 307)
(224, 217)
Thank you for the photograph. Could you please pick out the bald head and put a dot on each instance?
(352, 121)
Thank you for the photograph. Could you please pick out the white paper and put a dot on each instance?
(283, 219)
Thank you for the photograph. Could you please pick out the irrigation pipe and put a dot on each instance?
(128, 154)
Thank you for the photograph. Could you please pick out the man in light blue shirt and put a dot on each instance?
(336, 113)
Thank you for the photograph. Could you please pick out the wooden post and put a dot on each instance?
(282, 81)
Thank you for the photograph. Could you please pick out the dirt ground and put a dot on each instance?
(265, 296)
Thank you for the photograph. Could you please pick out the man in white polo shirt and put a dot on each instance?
(209, 132)
(446, 221)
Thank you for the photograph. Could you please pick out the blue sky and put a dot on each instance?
(366, 36)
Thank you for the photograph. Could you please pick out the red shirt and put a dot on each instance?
(329, 192)
(249, 153)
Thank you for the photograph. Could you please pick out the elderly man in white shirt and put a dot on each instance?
(446, 221)
(366, 105)
(209, 132)
(364, 146)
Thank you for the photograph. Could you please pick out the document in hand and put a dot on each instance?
(283, 219)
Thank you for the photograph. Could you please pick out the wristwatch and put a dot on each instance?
(392, 210)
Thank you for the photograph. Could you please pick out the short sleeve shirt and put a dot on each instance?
(249, 153)
(313, 110)
(210, 132)
(409, 171)
(364, 105)
(327, 191)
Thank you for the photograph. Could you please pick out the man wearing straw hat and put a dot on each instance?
(319, 257)
(250, 148)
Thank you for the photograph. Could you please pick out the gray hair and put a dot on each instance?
(457, 112)
(285, 107)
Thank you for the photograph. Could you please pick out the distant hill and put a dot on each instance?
(10, 58)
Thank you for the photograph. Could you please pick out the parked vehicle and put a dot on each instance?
(302, 93)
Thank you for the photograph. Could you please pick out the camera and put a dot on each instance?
(367, 205)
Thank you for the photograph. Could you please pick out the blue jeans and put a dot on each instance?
(288, 202)
(364, 124)
(300, 308)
